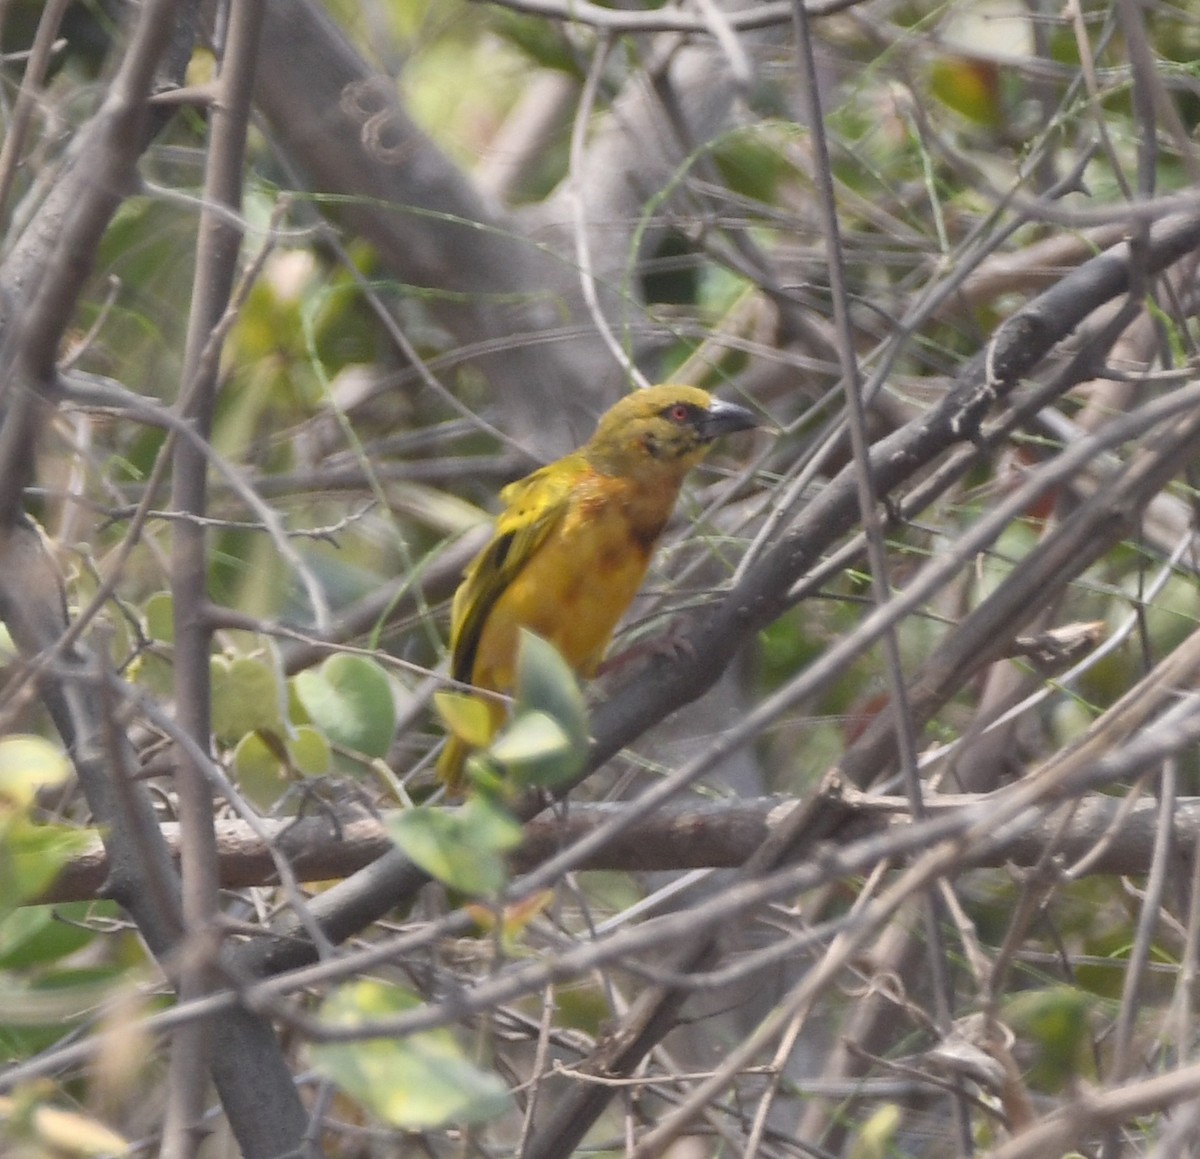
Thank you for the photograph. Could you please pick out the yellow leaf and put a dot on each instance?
(467, 717)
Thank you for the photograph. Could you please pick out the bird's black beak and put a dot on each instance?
(724, 418)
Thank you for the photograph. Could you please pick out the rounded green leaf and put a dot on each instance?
(536, 750)
(247, 695)
(1056, 1019)
(155, 673)
(545, 683)
(462, 848)
(349, 698)
(309, 751)
(262, 773)
(419, 1082)
(31, 857)
(27, 764)
(262, 778)
(159, 615)
(490, 825)
(39, 934)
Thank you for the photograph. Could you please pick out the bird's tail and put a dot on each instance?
(450, 764)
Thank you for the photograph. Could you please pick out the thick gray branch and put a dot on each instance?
(695, 836)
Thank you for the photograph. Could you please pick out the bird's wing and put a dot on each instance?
(534, 506)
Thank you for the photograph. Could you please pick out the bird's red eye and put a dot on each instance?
(679, 413)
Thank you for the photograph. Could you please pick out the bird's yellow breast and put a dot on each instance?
(574, 589)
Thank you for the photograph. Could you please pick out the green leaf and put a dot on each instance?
(154, 673)
(61, 996)
(462, 848)
(536, 750)
(31, 857)
(349, 698)
(159, 615)
(247, 695)
(490, 825)
(261, 772)
(309, 751)
(537, 38)
(752, 162)
(420, 1082)
(1056, 1019)
(27, 764)
(875, 1139)
(38, 934)
(262, 778)
(545, 683)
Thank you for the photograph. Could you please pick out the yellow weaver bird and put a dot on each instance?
(572, 545)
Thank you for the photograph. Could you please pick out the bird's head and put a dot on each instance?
(663, 429)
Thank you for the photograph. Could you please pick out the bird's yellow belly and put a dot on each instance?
(572, 592)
